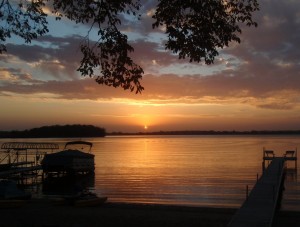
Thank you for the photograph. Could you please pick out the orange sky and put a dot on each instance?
(252, 86)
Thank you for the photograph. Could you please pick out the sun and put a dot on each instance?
(145, 127)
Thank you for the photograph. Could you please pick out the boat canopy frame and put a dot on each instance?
(29, 145)
(79, 143)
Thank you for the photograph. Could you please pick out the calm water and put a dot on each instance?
(186, 170)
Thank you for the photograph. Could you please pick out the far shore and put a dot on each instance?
(45, 213)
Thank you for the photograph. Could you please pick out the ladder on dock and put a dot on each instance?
(260, 205)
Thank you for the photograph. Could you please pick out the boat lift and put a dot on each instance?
(20, 159)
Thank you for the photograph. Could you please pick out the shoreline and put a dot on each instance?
(44, 212)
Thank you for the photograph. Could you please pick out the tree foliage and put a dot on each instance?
(25, 19)
(195, 30)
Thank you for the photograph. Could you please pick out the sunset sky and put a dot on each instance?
(254, 85)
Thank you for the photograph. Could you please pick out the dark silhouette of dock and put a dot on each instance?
(260, 206)
(21, 160)
(20, 170)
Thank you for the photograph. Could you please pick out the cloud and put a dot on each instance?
(263, 71)
(277, 34)
(57, 56)
(167, 89)
(11, 76)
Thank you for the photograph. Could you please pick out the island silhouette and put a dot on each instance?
(57, 131)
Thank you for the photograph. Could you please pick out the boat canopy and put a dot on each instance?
(28, 145)
(78, 143)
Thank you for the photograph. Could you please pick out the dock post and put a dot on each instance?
(263, 163)
(296, 160)
(273, 186)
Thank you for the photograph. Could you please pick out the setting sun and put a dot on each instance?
(145, 127)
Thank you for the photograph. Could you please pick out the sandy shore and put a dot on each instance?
(46, 213)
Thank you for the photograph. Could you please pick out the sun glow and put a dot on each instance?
(145, 127)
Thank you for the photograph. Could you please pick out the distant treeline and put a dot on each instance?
(211, 132)
(56, 131)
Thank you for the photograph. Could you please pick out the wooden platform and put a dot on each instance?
(260, 206)
(269, 155)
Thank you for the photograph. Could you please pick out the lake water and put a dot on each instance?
(208, 171)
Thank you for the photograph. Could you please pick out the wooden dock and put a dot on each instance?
(261, 204)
